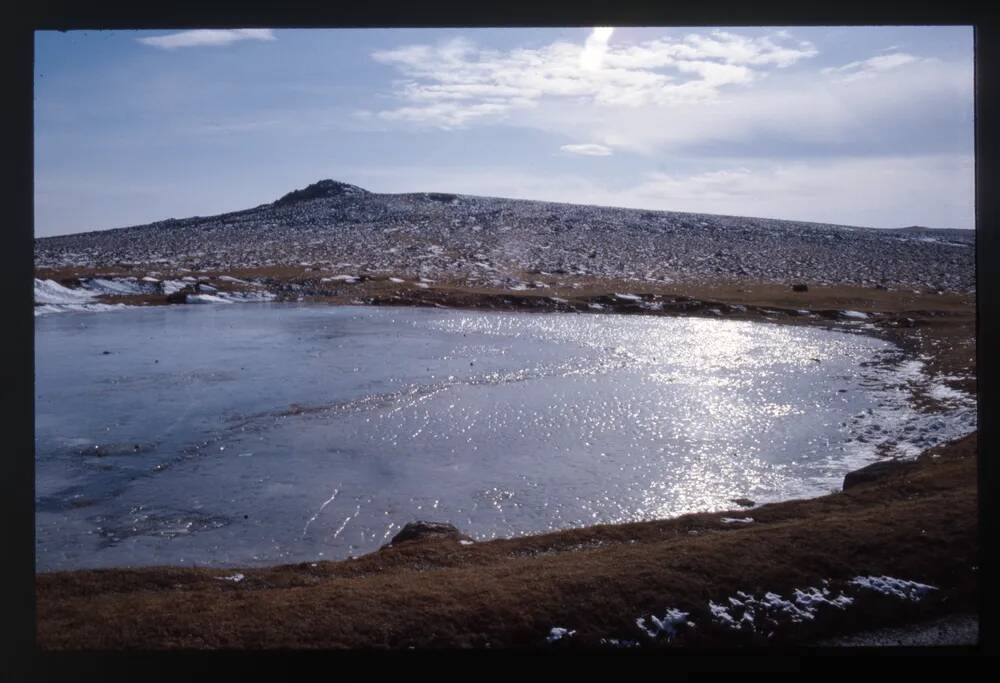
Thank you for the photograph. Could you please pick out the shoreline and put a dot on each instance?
(938, 329)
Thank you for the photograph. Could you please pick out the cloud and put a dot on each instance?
(201, 37)
(922, 108)
(869, 68)
(454, 83)
(588, 149)
(595, 48)
(693, 94)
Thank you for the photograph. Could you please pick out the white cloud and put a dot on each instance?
(796, 111)
(588, 149)
(681, 94)
(869, 68)
(595, 48)
(456, 82)
(201, 37)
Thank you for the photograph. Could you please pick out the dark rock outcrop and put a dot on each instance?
(800, 287)
(422, 531)
(321, 190)
(876, 472)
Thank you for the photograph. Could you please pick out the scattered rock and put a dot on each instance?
(490, 240)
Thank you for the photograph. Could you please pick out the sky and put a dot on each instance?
(867, 126)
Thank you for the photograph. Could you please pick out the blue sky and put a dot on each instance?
(859, 126)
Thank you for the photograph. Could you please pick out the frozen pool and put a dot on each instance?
(268, 433)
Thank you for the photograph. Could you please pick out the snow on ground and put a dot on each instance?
(206, 299)
(172, 286)
(747, 612)
(483, 237)
(52, 297)
(230, 298)
(51, 292)
(117, 286)
(737, 520)
(235, 578)
(898, 588)
(857, 315)
(668, 626)
(558, 633)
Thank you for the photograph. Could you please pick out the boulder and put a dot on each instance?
(800, 287)
(743, 502)
(876, 472)
(422, 531)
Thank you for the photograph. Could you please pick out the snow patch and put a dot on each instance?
(668, 626)
(898, 588)
(51, 292)
(206, 299)
(558, 633)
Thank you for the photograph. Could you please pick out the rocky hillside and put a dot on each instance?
(487, 241)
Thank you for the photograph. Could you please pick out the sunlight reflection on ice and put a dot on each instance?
(361, 420)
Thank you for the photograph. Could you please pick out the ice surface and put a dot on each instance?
(249, 418)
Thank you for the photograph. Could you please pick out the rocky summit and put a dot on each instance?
(496, 242)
